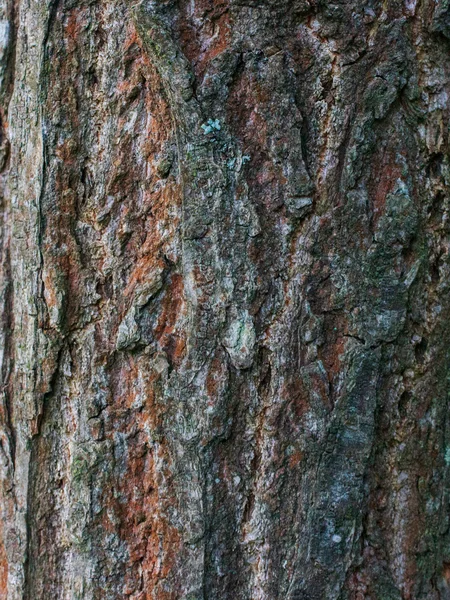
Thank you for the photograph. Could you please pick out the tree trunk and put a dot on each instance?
(225, 303)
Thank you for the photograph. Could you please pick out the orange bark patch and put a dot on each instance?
(215, 376)
(245, 119)
(295, 459)
(203, 31)
(331, 352)
(72, 29)
(386, 172)
(142, 496)
(331, 356)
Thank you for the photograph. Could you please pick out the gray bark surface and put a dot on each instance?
(224, 300)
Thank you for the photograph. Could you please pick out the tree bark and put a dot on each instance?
(224, 299)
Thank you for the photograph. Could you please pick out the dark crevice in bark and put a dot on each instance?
(8, 349)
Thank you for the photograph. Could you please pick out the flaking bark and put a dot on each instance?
(224, 289)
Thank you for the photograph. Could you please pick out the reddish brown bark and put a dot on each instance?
(225, 302)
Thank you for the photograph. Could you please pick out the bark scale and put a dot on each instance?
(224, 288)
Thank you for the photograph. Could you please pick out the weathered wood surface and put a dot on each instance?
(224, 296)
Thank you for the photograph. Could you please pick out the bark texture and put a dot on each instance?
(224, 299)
